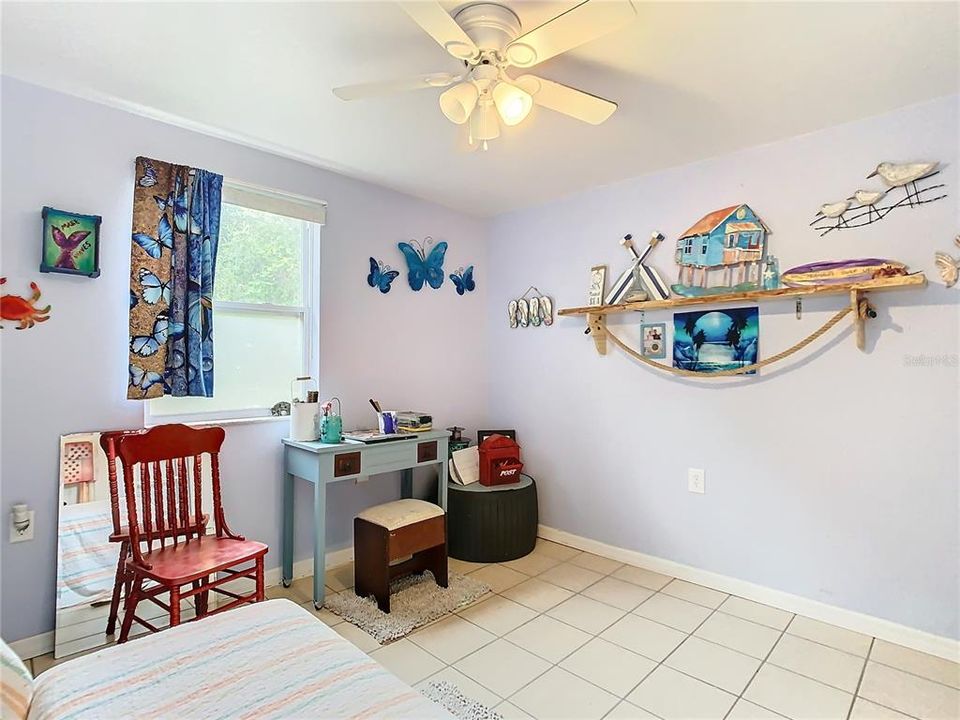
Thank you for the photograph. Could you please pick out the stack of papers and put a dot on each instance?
(465, 466)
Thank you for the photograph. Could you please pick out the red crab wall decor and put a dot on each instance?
(23, 310)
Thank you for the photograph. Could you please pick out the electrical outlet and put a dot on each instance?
(695, 480)
(27, 534)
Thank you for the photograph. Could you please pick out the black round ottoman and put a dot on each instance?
(491, 524)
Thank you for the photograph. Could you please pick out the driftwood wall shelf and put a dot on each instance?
(858, 307)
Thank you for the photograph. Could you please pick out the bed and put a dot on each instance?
(267, 660)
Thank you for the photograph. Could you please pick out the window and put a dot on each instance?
(264, 300)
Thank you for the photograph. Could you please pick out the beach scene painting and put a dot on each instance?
(709, 341)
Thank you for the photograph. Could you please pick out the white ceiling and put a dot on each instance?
(693, 80)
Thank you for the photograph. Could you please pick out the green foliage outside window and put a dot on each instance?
(258, 257)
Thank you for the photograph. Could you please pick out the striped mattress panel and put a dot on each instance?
(268, 660)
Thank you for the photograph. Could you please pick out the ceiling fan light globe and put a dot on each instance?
(512, 103)
(458, 102)
(483, 123)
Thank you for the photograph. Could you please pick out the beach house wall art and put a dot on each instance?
(722, 252)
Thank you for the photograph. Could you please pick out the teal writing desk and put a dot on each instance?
(322, 464)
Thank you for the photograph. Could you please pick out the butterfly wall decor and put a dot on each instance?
(381, 276)
(424, 264)
(948, 265)
(463, 280)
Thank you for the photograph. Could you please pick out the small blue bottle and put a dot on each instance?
(771, 273)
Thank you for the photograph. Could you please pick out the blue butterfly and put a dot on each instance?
(153, 289)
(463, 279)
(144, 379)
(154, 246)
(422, 267)
(133, 300)
(149, 178)
(177, 201)
(199, 311)
(381, 276)
(147, 345)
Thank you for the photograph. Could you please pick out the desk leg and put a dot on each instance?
(319, 541)
(406, 483)
(287, 544)
(442, 486)
(442, 475)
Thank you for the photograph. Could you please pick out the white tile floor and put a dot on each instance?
(567, 634)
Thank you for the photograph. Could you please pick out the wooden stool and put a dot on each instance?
(384, 533)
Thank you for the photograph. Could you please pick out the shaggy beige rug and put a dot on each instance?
(415, 600)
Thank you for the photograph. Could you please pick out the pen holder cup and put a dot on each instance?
(387, 422)
(331, 429)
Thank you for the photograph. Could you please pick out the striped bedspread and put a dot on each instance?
(269, 660)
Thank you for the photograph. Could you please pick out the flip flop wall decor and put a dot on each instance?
(532, 309)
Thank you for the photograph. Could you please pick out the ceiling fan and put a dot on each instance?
(486, 38)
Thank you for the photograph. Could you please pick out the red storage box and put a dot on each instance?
(499, 461)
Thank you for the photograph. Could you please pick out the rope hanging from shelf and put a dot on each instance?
(733, 371)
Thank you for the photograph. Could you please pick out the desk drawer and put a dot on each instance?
(346, 464)
(427, 451)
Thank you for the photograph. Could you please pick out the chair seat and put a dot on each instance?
(197, 558)
(400, 513)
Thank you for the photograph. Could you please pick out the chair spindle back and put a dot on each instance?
(162, 472)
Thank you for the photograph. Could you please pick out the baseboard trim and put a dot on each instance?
(944, 647)
(31, 647)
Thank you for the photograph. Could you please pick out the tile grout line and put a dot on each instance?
(863, 671)
(757, 672)
(867, 660)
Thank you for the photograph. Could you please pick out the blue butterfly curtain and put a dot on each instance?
(173, 255)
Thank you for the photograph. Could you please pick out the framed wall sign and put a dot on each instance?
(71, 243)
(598, 281)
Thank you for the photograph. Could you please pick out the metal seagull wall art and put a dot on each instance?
(865, 206)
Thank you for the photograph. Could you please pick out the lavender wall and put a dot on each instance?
(422, 350)
(834, 477)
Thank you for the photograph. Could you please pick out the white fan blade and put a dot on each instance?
(581, 24)
(438, 24)
(388, 87)
(567, 100)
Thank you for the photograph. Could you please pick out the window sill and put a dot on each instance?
(213, 421)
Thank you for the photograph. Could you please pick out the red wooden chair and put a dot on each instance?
(156, 463)
(109, 441)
